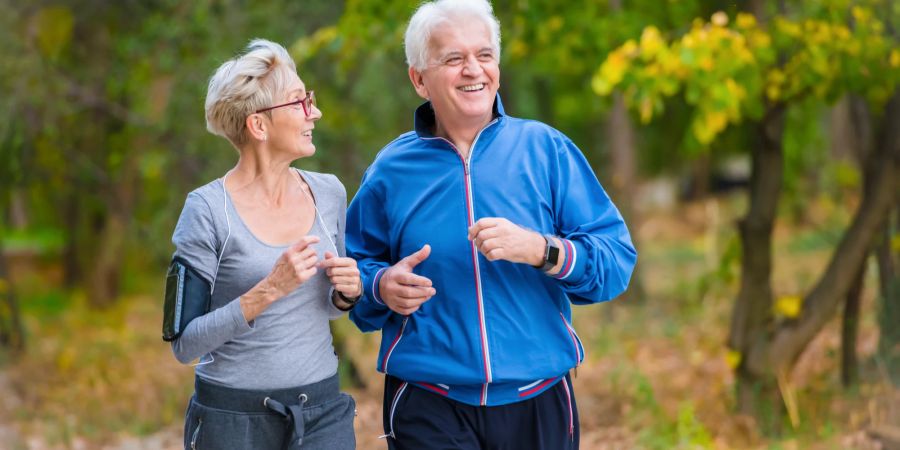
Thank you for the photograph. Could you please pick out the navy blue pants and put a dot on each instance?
(418, 419)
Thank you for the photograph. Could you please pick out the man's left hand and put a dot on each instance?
(497, 238)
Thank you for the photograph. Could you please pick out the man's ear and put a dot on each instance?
(257, 126)
(418, 83)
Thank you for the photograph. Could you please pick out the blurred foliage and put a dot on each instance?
(729, 71)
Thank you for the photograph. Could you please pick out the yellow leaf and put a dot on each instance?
(745, 20)
(601, 85)
(895, 242)
(736, 90)
(610, 74)
(555, 23)
(629, 47)
(646, 110)
(518, 49)
(733, 358)
(860, 14)
(651, 41)
(4, 286)
(54, 29)
(895, 58)
(842, 32)
(65, 359)
(788, 306)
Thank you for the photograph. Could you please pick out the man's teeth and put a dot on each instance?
(307, 133)
(473, 87)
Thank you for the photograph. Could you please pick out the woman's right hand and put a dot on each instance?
(294, 267)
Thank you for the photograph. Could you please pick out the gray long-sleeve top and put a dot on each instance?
(289, 344)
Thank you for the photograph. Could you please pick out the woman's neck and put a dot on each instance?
(262, 179)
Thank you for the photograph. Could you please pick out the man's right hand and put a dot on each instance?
(402, 290)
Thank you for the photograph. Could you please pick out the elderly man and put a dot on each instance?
(474, 234)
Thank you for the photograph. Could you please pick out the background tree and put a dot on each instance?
(755, 75)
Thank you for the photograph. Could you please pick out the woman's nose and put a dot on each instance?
(315, 113)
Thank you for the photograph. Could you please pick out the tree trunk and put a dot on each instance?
(12, 334)
(856, 142)
(769, 351)
(849, 330)
(106, 267)
(544, 96)
(621, 135)
(109, 256)
(820, 305)
(71, 211)
(889, 300)
(623, 156)
(752, 314)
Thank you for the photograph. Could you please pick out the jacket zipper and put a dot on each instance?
(387, 355)
(470, 210)
(576, 342)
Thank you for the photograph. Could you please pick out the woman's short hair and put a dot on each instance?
(432, 14)
(251, 81)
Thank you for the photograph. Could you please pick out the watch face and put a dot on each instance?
(552, 255)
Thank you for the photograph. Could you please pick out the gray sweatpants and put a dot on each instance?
(219, 417)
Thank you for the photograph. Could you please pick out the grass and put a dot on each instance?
(92, 374)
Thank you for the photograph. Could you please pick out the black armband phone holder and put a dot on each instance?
(187, 297)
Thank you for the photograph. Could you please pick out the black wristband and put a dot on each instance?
(349, 301)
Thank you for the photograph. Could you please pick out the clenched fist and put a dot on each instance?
(402, 290)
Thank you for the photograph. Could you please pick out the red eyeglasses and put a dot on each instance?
(308, 102)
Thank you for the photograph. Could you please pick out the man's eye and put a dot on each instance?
(453, 61)
(486, 56)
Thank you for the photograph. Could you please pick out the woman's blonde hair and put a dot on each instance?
(249, 82)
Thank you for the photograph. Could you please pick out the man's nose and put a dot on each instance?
(471, 66)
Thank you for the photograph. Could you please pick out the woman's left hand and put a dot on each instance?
(343, 273)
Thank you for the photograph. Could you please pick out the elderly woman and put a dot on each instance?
(267, 241)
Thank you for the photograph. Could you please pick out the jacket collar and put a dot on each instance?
(424, 120)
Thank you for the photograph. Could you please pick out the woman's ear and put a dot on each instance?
(257, 126)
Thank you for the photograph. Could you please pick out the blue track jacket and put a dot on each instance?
(496, 332)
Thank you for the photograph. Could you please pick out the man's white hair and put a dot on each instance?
(248, 82)
(432, 14)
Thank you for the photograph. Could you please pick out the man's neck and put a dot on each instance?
(462, 136)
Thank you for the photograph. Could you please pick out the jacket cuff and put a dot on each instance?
(574, 263)
(373, 288)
